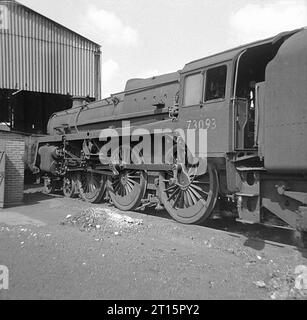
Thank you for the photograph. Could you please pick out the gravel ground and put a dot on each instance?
(58, 248)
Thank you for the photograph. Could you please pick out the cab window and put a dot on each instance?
(193, 89)
(216, 83)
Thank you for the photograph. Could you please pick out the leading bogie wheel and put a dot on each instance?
(69, 187)
(189, 198)
(49, 186)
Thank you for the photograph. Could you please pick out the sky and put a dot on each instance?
(144, 38)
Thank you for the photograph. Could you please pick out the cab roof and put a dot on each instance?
(232, 54)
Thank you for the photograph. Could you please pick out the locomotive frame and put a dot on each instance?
(226, 95)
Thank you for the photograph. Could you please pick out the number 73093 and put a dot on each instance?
(207, 124)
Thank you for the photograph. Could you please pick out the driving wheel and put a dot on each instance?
(189, 198)
(127, 189)
(92, 186)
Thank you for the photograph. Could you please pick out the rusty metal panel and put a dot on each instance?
(285, 114)
(38, 54)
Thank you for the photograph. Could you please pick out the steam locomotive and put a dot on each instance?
(250, 104)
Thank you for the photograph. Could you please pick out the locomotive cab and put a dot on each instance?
(251, 67)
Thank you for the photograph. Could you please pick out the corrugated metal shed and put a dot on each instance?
(40, 55)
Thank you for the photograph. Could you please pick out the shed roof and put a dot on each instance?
(40, 55)
(13, 2)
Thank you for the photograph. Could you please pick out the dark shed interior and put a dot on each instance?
(26, 111)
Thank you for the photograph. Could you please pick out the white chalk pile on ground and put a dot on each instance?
(102, 219)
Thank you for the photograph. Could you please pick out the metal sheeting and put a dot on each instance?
(37, 54)
(285, 112)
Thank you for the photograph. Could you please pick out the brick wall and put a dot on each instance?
(30, 145)
(6, 135)
(14, 172)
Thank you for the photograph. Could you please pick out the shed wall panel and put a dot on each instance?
(37, 54)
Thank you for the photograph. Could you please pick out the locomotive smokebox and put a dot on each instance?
(49, 158)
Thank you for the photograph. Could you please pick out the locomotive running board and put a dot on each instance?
(149, 167)
(250, 169)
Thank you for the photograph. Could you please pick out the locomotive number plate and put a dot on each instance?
(207, 124)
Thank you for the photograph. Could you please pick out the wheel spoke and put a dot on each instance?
(177, 199)
(196, 194)
(131, 182)
(174, 194)
(189, 198)
(194, 199)
(187, 204)
(127, 189)
(199, 189)
(133, 177)
(87, 187)
(121, 191)
(170, 188)
(181, 202)
(202, 182)
(116, 186)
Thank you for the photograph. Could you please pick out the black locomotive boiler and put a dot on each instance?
(252, 103)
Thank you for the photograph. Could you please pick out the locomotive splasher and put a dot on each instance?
(250, 105)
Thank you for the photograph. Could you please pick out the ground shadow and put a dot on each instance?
(33, 194)
(162, 214)
(257, 235)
